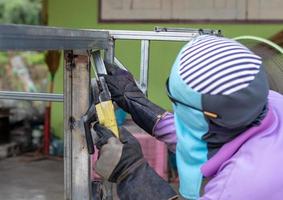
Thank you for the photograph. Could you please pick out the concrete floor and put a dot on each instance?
(27, 178)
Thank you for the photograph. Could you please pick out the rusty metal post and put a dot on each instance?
(76, 102)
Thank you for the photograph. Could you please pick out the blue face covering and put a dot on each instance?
(191, 125)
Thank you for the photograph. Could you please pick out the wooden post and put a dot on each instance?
(76, 102)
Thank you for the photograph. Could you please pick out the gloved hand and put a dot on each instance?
(116, 156)
(121, 161)
(130, 98)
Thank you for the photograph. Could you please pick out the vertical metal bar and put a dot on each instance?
(81, 188)
(77, 163)
(110, 51)
(144, 65)
(67, 130)
(98, 62)
(109, 57)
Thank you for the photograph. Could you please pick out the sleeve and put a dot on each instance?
(165, 131)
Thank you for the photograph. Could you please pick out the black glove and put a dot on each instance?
(121, 161)
(130, 98)
(121, 154)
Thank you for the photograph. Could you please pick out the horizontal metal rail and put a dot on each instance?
(152, 35)
(31, 96)
(25, 37)
(190, 30)
(167, 34)
(149, 35)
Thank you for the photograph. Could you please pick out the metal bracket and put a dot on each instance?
(210, 32)
(70, 62)
(72, 122)
(189, 30)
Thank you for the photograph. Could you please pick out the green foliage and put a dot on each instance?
(3, 58)
(20, 11)
(31, 58)
(34, 58)
(3, 61)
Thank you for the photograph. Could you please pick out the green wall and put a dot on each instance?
(84, 14)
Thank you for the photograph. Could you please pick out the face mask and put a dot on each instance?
(191, 125)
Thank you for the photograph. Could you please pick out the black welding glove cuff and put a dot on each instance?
(130, 98)
(144, 113)
(145, 184)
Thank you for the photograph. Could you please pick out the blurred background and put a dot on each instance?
(22, 123)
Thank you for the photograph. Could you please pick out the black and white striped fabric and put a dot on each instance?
(215, 65)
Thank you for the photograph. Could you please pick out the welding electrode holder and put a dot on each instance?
(101, 108)
(88, 119)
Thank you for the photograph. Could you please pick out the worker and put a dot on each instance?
(226, 130)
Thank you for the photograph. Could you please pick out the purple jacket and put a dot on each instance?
(246, 168)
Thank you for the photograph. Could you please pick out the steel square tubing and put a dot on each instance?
(26, 37)
(152, 35)
(31, 96)
(144, 65)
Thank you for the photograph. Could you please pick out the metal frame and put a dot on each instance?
(76, 44)
(25, 37)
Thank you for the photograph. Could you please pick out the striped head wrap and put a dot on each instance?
(214, 65)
